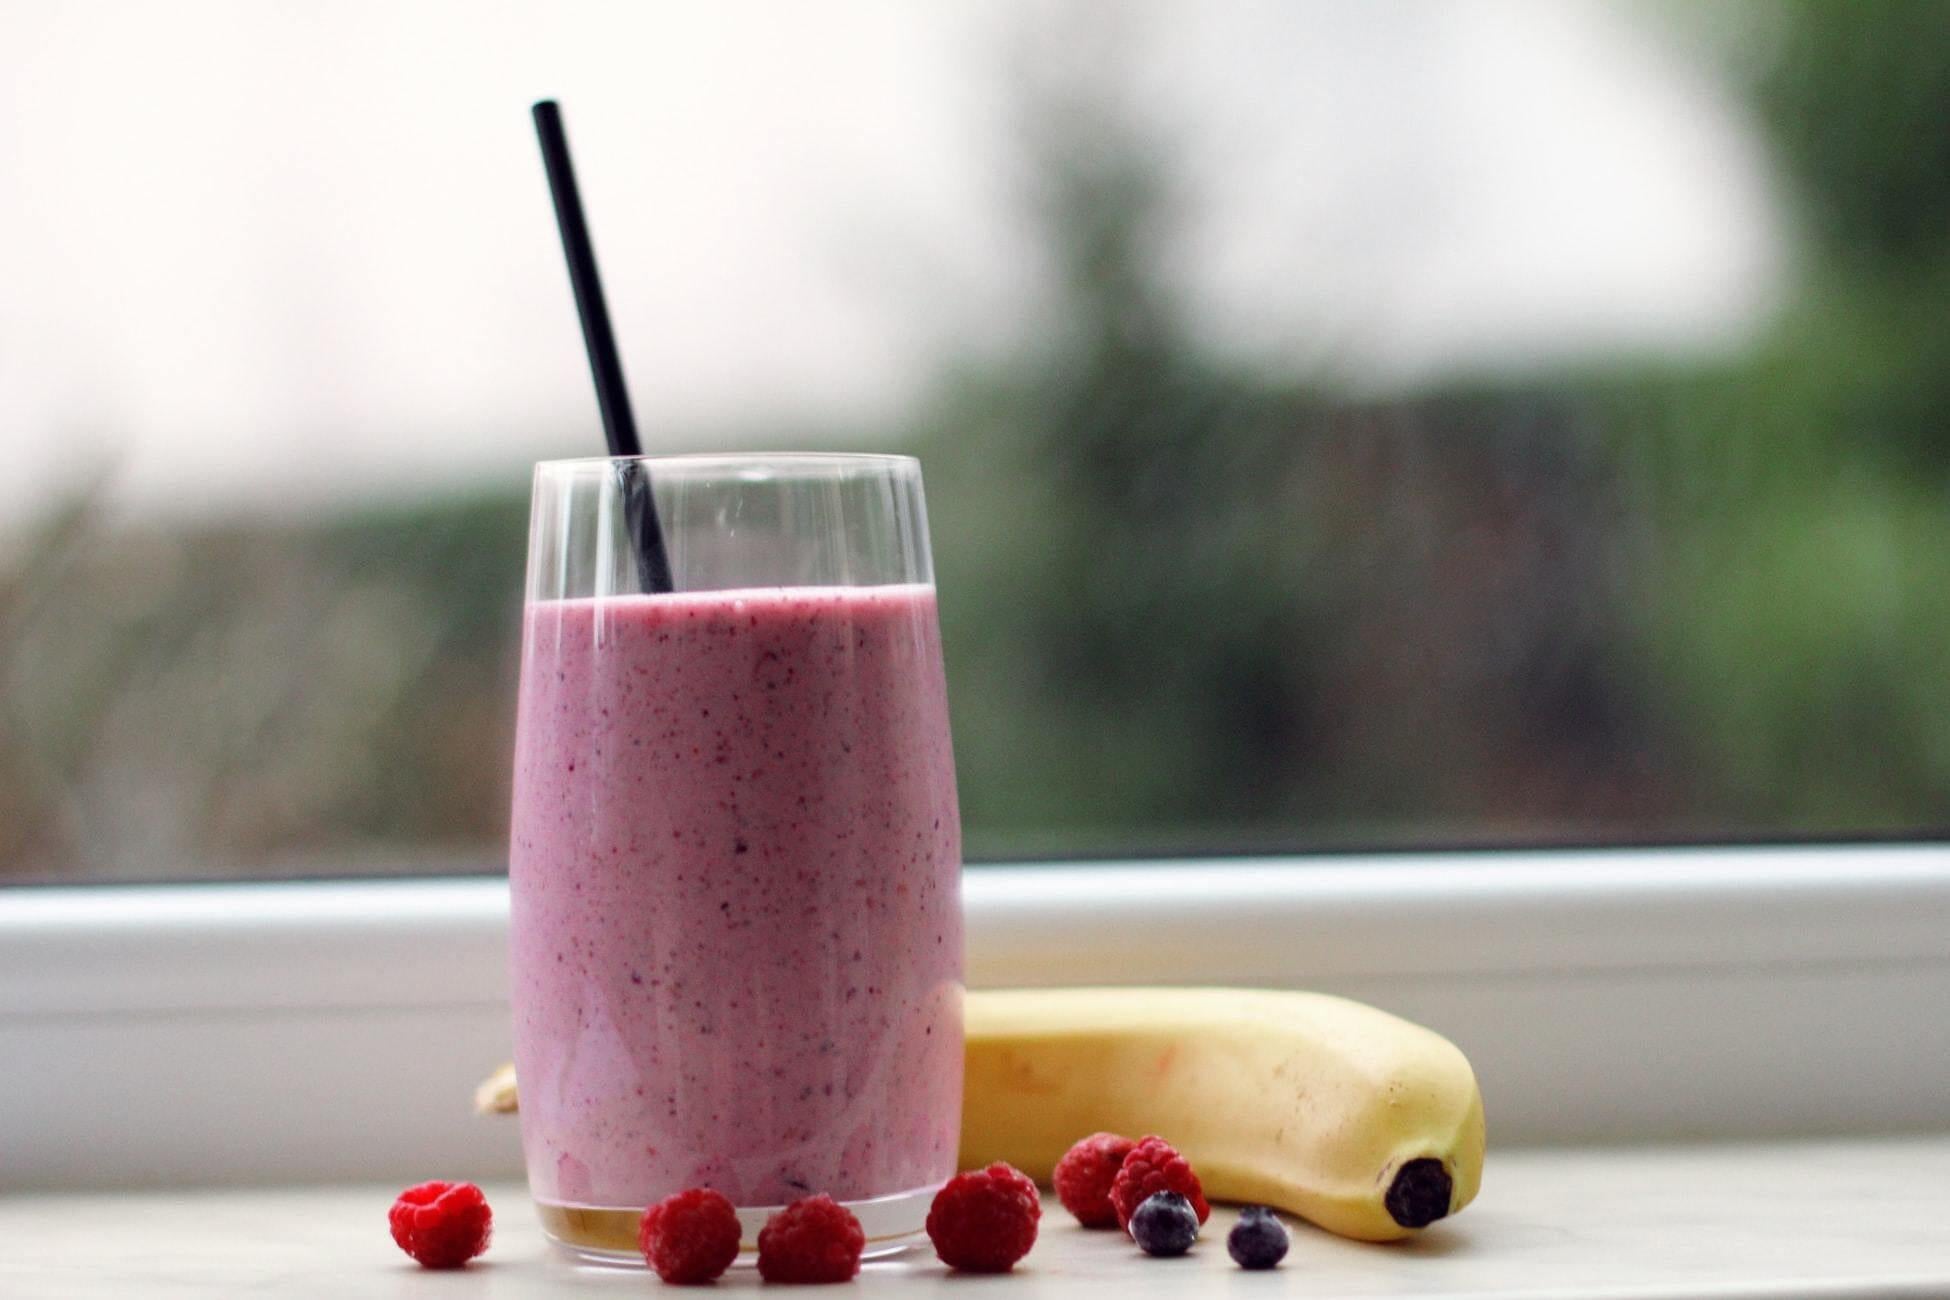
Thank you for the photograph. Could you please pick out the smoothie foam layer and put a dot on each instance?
(736, 939)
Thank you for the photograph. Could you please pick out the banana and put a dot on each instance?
(497, 1094)
(1354, 1119)
(1364, 1124)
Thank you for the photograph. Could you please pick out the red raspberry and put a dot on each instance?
(1084, 1175)
(1153, 1167)
(691, 1236)
(814, 1239)
(983, 1221)
(443, 1225)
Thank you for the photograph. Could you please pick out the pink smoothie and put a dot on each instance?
(736, 943)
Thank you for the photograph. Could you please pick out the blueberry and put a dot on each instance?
(1166, 1224)
(1258, 1240)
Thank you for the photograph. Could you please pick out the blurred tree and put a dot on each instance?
(1188, 604)
(255, 699)
(1191, 605)
(1796, 609)
(1202, 606)
(1856, 96)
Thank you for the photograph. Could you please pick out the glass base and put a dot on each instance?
(606, 1237)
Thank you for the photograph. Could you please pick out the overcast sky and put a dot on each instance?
(247, 245)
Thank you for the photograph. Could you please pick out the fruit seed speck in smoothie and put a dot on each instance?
(736, 938)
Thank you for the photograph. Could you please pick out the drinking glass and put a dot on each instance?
(736, 933)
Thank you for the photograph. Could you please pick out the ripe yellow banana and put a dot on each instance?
(1363, 1123)
(1357, 1120)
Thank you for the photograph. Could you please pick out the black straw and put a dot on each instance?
(612, 395)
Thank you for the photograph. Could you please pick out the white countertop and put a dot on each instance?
(1803, 1219)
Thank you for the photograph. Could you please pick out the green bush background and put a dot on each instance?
(1187, 605)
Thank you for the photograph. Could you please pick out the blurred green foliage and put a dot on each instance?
(1854, 97)
(1188, 605)
(1191, 606)
(1799, 614)
(292, 698)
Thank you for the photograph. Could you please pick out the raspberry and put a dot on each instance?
(983, 1221)
(443, 1225)
(1084, 1175)
(1153, 1166)
(814, 1239)
(690, 1237)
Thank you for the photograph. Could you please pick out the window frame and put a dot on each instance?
(329, 1030)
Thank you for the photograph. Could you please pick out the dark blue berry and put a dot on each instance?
(1258, 1240)
(1166, 1224)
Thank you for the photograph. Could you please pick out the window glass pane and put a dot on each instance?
(1345, 424)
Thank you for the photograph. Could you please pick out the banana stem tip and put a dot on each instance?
(1420, 1193)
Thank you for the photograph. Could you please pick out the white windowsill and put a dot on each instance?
(1784, 1221)
(290, 1032)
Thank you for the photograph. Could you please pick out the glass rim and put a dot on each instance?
(695, 462)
